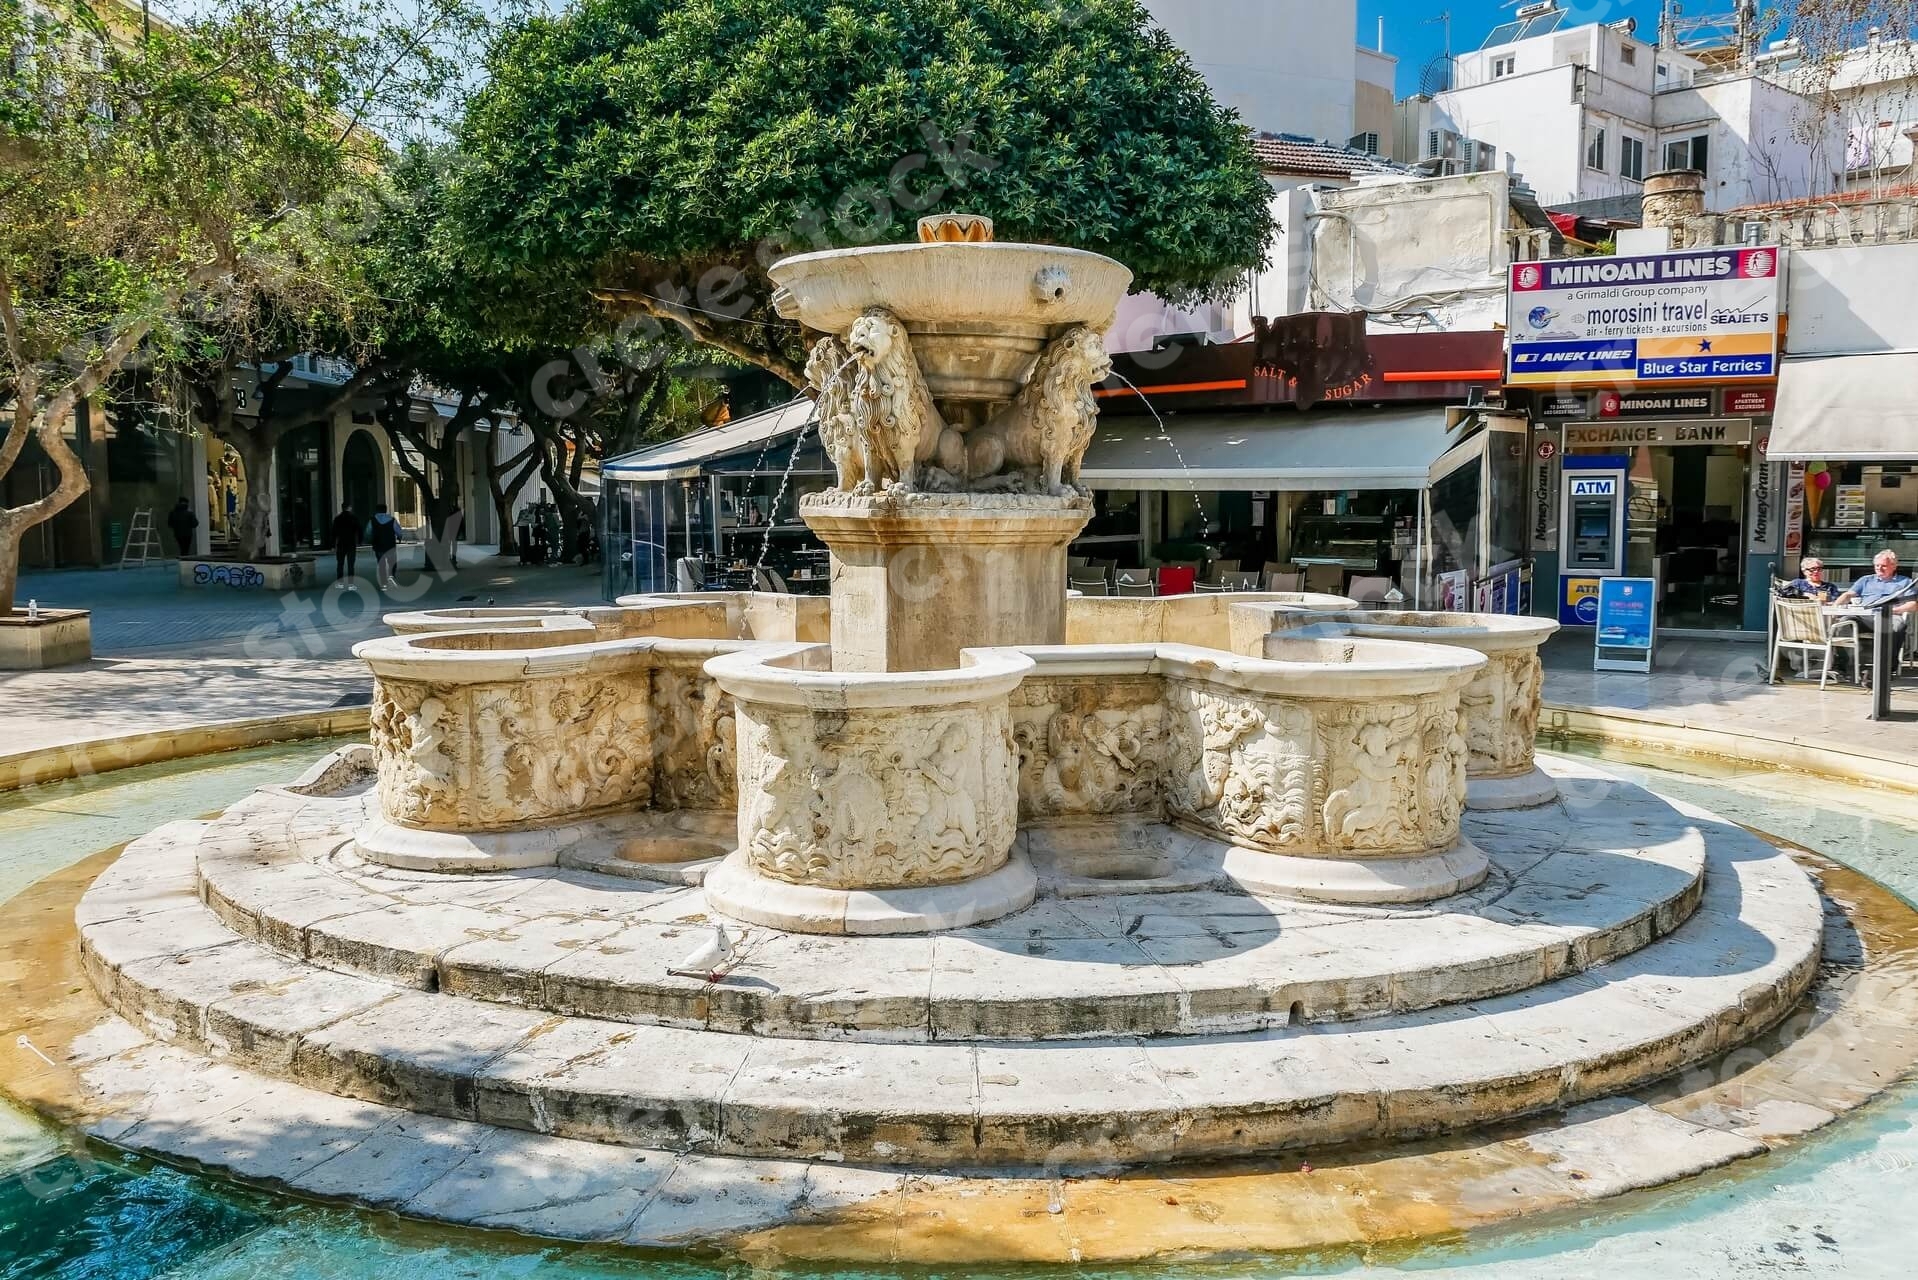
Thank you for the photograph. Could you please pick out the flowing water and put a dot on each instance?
(1205, 523)
(1839, 1205)
(786, 478)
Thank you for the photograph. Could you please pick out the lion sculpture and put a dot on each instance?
(1050, 422)
(892, 407)
(828, 372)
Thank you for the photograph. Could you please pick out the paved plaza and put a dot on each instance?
(167, 656)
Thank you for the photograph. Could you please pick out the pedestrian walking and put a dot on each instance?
(346, 543)
(384, 538)
(183, 522)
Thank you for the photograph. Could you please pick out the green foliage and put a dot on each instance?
(655, 144)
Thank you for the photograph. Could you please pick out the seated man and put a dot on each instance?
(1883, 582)
(1810, 584)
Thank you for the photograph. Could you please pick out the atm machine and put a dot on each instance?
(1591, 524)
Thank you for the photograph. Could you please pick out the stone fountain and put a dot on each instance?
(1013, 881)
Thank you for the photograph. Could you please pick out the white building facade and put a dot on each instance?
(1582, 114)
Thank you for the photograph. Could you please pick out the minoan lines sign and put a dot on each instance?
(1665, 317)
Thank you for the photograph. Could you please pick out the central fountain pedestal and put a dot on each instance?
(918, 576)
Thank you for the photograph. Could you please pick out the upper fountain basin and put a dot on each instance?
(970, 284)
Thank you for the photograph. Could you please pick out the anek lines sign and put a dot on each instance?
(1664, 317)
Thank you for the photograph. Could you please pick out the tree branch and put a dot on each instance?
(703, 330)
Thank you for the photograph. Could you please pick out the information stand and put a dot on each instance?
(1627, 624)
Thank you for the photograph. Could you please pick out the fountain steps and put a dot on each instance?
(278, 871)
(162, 959)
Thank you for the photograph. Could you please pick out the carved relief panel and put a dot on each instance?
(495, 756)
(694, 730)
(1089, 745)
(1316, 778)
(876, 799)
(1501, 714)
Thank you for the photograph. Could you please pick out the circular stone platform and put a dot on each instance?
(1173, 1017)
(1568, 892)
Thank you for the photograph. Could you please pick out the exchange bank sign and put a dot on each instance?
(1664, 317)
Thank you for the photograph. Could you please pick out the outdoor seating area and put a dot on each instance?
(1812, 622)
(1092, 576)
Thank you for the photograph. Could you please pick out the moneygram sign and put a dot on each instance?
(1708, 314)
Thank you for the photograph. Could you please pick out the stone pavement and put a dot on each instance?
(1720, 685)
(167, 656)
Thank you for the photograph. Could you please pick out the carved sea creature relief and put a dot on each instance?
(1206, 729)
(694, 730)
(600, 729)
(1522, 715)
(1368, 811)
(1266, 797)
(1099, 761)
(409, 726)
(1485, 725)
(1049, 424)
(1445, 751)
(898, 425)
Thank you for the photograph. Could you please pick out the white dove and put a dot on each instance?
(708, 958)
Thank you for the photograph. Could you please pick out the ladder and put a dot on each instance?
(143, 542)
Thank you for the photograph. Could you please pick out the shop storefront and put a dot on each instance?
(1847, 421)
(1649, 383)
(1316, 457)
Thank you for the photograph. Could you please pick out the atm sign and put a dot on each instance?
(1595, 487)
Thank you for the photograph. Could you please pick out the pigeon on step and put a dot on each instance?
(708, 958)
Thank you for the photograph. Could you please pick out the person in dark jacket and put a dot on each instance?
(183, 522)
(344, 538)
(384, 538)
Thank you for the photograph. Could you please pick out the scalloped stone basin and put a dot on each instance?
(1501, 705)
(978, 313)
(898, 786)
(494, 746)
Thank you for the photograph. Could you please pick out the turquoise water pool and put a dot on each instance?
(1841, 1205)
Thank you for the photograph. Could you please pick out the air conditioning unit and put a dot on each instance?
(1443, 142)
(1366, 142)
(1484, 157)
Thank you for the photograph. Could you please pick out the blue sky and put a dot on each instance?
(1416, 42)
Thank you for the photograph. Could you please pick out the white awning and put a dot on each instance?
(1330, 449)
(682, 459)
(1856, 408)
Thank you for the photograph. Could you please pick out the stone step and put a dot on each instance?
(1573, 885)
(1738, 965)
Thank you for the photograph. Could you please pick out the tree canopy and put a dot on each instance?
(168, 191)
(664, 152)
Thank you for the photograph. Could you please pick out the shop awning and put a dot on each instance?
(1324, 448)
(684, 458)
(1855, 408)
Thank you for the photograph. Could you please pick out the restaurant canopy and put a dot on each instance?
(704, 451)
(1846, 408)
(1331, 449)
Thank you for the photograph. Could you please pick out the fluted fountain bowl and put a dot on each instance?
(978, 313)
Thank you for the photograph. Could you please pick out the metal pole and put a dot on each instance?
(1883, 637)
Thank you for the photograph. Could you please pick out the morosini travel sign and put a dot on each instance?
(1706, 314)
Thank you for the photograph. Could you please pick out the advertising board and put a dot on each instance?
(1662, 317)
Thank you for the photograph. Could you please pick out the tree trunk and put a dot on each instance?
(9, 564)
(256, 516)
(503, 491)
